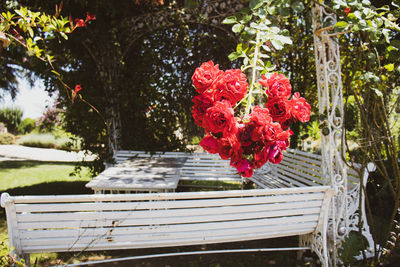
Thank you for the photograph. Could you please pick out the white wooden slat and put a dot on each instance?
(208, 178)
(304, 153)
(311, 169)
(174, 204)
(168, 243)
(166, 196)
(118, 215)
(304, 179)
(282, 176)
(282, 179)
(49, 233)
(267, 181)
(107, 222)
(303, 159)
(203, 233)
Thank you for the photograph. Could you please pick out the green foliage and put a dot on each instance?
(5, 257)
(7, 139)
(11, 117)
(26, 126)
(351, 248)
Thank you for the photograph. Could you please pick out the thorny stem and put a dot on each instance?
(254, 72)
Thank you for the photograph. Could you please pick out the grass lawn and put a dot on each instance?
(20, 174)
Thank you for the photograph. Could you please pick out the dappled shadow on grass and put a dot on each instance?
(18, 164)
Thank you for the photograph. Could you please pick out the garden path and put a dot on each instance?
(16, 152)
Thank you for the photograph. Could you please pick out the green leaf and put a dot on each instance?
(341, 25)
(254, 4)
(297, 6)
(64, 35)
(234, 55)
(277, 44)
(230, 20)
(237, 28)
(246, 18)
(284, 39)
(389, 67)
(30, 32)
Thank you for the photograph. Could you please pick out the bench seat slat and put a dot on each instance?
(109, 222)
(176, 204)
(170, 243)
(26, 234)
(142, 214)
(202, 233)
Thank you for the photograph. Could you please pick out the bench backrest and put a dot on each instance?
(299, 168)
(198, 166)
(127, 221)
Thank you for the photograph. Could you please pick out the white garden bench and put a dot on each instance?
(128, 221)
(293, 201)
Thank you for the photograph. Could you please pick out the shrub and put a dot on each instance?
(48, 140)
(7, 139)
(38, 140)
(11, 118)
(26, 126)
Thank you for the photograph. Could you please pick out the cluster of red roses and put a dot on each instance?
(252, 139)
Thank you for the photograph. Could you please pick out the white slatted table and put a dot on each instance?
(140, 174)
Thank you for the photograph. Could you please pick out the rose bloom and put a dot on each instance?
(244, 167)
(277, 86)
(205, 75)
(275, 154)
(260, 115)
(232, 86)
(300, 109)
(230, 148)
(219, 118)
(279, 108)
(210, 144)
(201, 104)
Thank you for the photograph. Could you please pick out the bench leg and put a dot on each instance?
(27, 259)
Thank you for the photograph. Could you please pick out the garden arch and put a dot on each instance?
(330, 99)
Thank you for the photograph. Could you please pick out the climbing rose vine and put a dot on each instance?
(253, 138)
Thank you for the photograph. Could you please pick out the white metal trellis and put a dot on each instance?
(344, 209)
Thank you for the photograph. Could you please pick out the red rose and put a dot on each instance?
(260, 116)
(210, 144)
(201, 104)
(277, 86)
(279, 108)
(261, 158)
(244, 168)
(275, 154)
(347, 10)
(300, 109)
(232, 86)
(271, 132)
(205, 75)
(230, 148)
(219, 118)
(245, 132)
